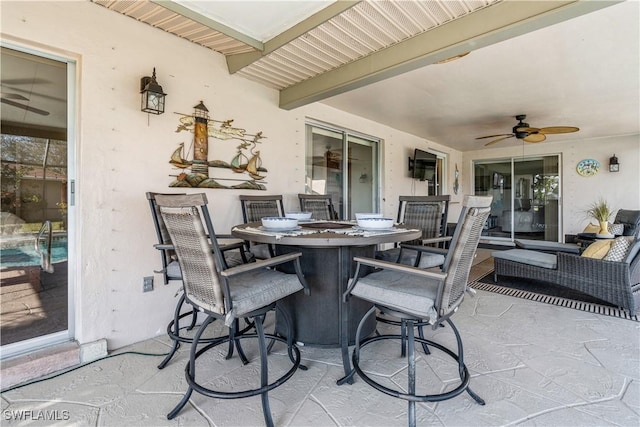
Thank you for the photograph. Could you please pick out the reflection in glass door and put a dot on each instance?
(362, 185)
(35, 203)
(526, 197)
(351, 179)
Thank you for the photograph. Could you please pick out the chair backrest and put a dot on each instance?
(457, 264)
(197, 249)
(320, 205)
(256, 207)
(631, 221)
(162, 234)
(426, 213)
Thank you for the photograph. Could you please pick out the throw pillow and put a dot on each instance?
(592, 228)
(598, 249)
(616, 229)
(618, 249)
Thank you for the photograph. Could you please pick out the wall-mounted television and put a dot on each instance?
(423, 165)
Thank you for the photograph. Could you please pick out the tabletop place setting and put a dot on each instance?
(301, 223)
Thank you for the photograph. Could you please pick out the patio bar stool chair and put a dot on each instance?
(234, 254)
(421, 297)
(320, 205)
(247, 290)
(426, 213)
(254, 208)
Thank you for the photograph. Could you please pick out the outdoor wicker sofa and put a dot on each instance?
(617, 283)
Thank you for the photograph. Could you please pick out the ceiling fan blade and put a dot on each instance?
(494, 136)
(13, 96)
(535, 137)
(528, 130)
(24, 107)
(559, 129)
(498, 140)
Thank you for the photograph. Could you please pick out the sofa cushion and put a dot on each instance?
(546, 246)
(598, 249)
(618, 249)
(616, 229)
(591, 228)
(525, 256)
(631, 221)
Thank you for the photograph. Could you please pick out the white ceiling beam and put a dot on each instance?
(238, 61)
(210, 23)
(498, 22)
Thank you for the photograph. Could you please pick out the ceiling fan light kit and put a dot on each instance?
(527, 133)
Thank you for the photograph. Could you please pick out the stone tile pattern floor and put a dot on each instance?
(534, 364)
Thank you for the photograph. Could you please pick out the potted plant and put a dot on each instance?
(601, 212)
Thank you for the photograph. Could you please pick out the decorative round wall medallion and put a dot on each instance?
(588, 167)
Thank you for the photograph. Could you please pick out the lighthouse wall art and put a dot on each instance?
(244, 169)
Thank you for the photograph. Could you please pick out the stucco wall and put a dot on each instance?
(123, 153)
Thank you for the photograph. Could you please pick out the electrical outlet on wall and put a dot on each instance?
(147, 284)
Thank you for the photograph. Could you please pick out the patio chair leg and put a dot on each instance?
(348, 378)
(475, 397)
(175, 329)
(403, 340)
(234, 340)
(425, 347)
(231, 342)
(264, 373)
(190, 369)
(288, 323)
(194, 319)
(168, 357)
(411, 372)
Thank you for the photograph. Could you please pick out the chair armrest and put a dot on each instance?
(223, 247)
(437, 240)
(402, 268)
(428, 249)
(269, 262)
(262, 263)
(386, 265)
(163, 247)
(231, 246)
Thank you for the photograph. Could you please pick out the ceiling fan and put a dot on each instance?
(529, 134)
(9, 99)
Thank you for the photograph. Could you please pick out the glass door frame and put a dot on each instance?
(518, 159)
(344, 211)
(21, 347)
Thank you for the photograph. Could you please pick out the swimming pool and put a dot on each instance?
(25, 255)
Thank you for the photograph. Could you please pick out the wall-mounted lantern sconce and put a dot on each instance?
(152, 95)
(614, 166)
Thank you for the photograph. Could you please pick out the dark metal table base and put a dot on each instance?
(321, 319)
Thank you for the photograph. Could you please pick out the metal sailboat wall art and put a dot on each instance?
(246, 164)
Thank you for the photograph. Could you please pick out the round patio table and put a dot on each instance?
(321, 319)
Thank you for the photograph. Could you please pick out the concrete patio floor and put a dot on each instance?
(534, 364)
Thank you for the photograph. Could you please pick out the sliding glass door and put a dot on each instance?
(344, 165)
(37, 200)
(526, 197)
